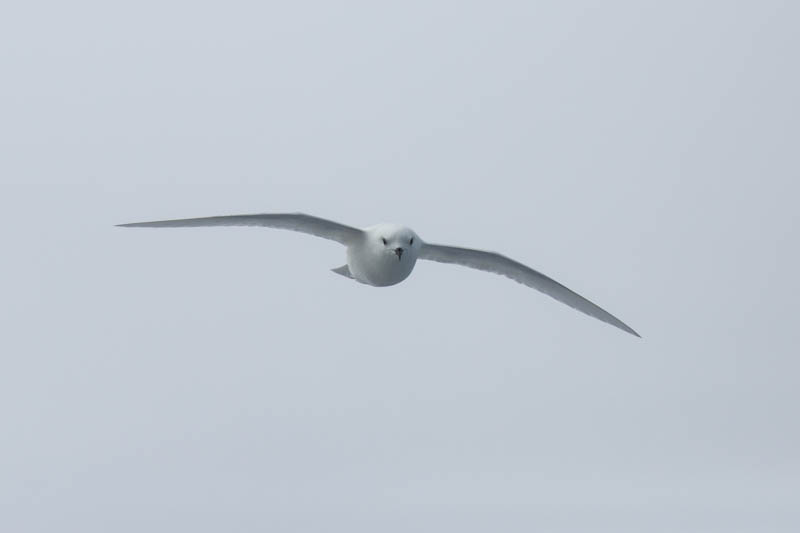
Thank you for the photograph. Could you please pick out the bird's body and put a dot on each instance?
(386, 254)
(372, 262)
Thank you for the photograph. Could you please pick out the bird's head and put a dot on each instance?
(398, 241)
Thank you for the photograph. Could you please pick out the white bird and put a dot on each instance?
(385, 254)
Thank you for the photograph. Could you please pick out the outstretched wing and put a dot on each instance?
(500, 264)
(327, 229)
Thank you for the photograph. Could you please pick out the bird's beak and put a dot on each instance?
(399, 252)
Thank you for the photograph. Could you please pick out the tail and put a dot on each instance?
(343, 270)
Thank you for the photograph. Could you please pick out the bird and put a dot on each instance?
(385, 254)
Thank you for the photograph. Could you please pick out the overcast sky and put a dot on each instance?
(643, 153)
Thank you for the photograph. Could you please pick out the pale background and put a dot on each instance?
(643, 153)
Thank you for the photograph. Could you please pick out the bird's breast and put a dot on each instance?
(378, 268)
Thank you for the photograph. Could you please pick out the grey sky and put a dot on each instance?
(642, 153)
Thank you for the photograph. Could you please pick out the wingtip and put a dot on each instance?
(626, 328)
(632, 332)
(619, 324)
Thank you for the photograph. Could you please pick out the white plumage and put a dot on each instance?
(386, 254)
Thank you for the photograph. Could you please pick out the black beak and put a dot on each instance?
(399, 252)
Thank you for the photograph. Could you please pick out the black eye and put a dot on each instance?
(411, 241)
(384, 240)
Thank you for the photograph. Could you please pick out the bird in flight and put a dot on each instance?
(385, 254)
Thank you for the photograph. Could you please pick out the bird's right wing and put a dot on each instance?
(327, 229)
(500, 264)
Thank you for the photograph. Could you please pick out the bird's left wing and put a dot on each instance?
(327, 229)
(500, 264)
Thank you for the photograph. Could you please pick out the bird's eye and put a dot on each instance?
(411, 241)
(384, 240)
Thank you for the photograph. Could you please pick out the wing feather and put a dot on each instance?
(327, 229)
(500, 264)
